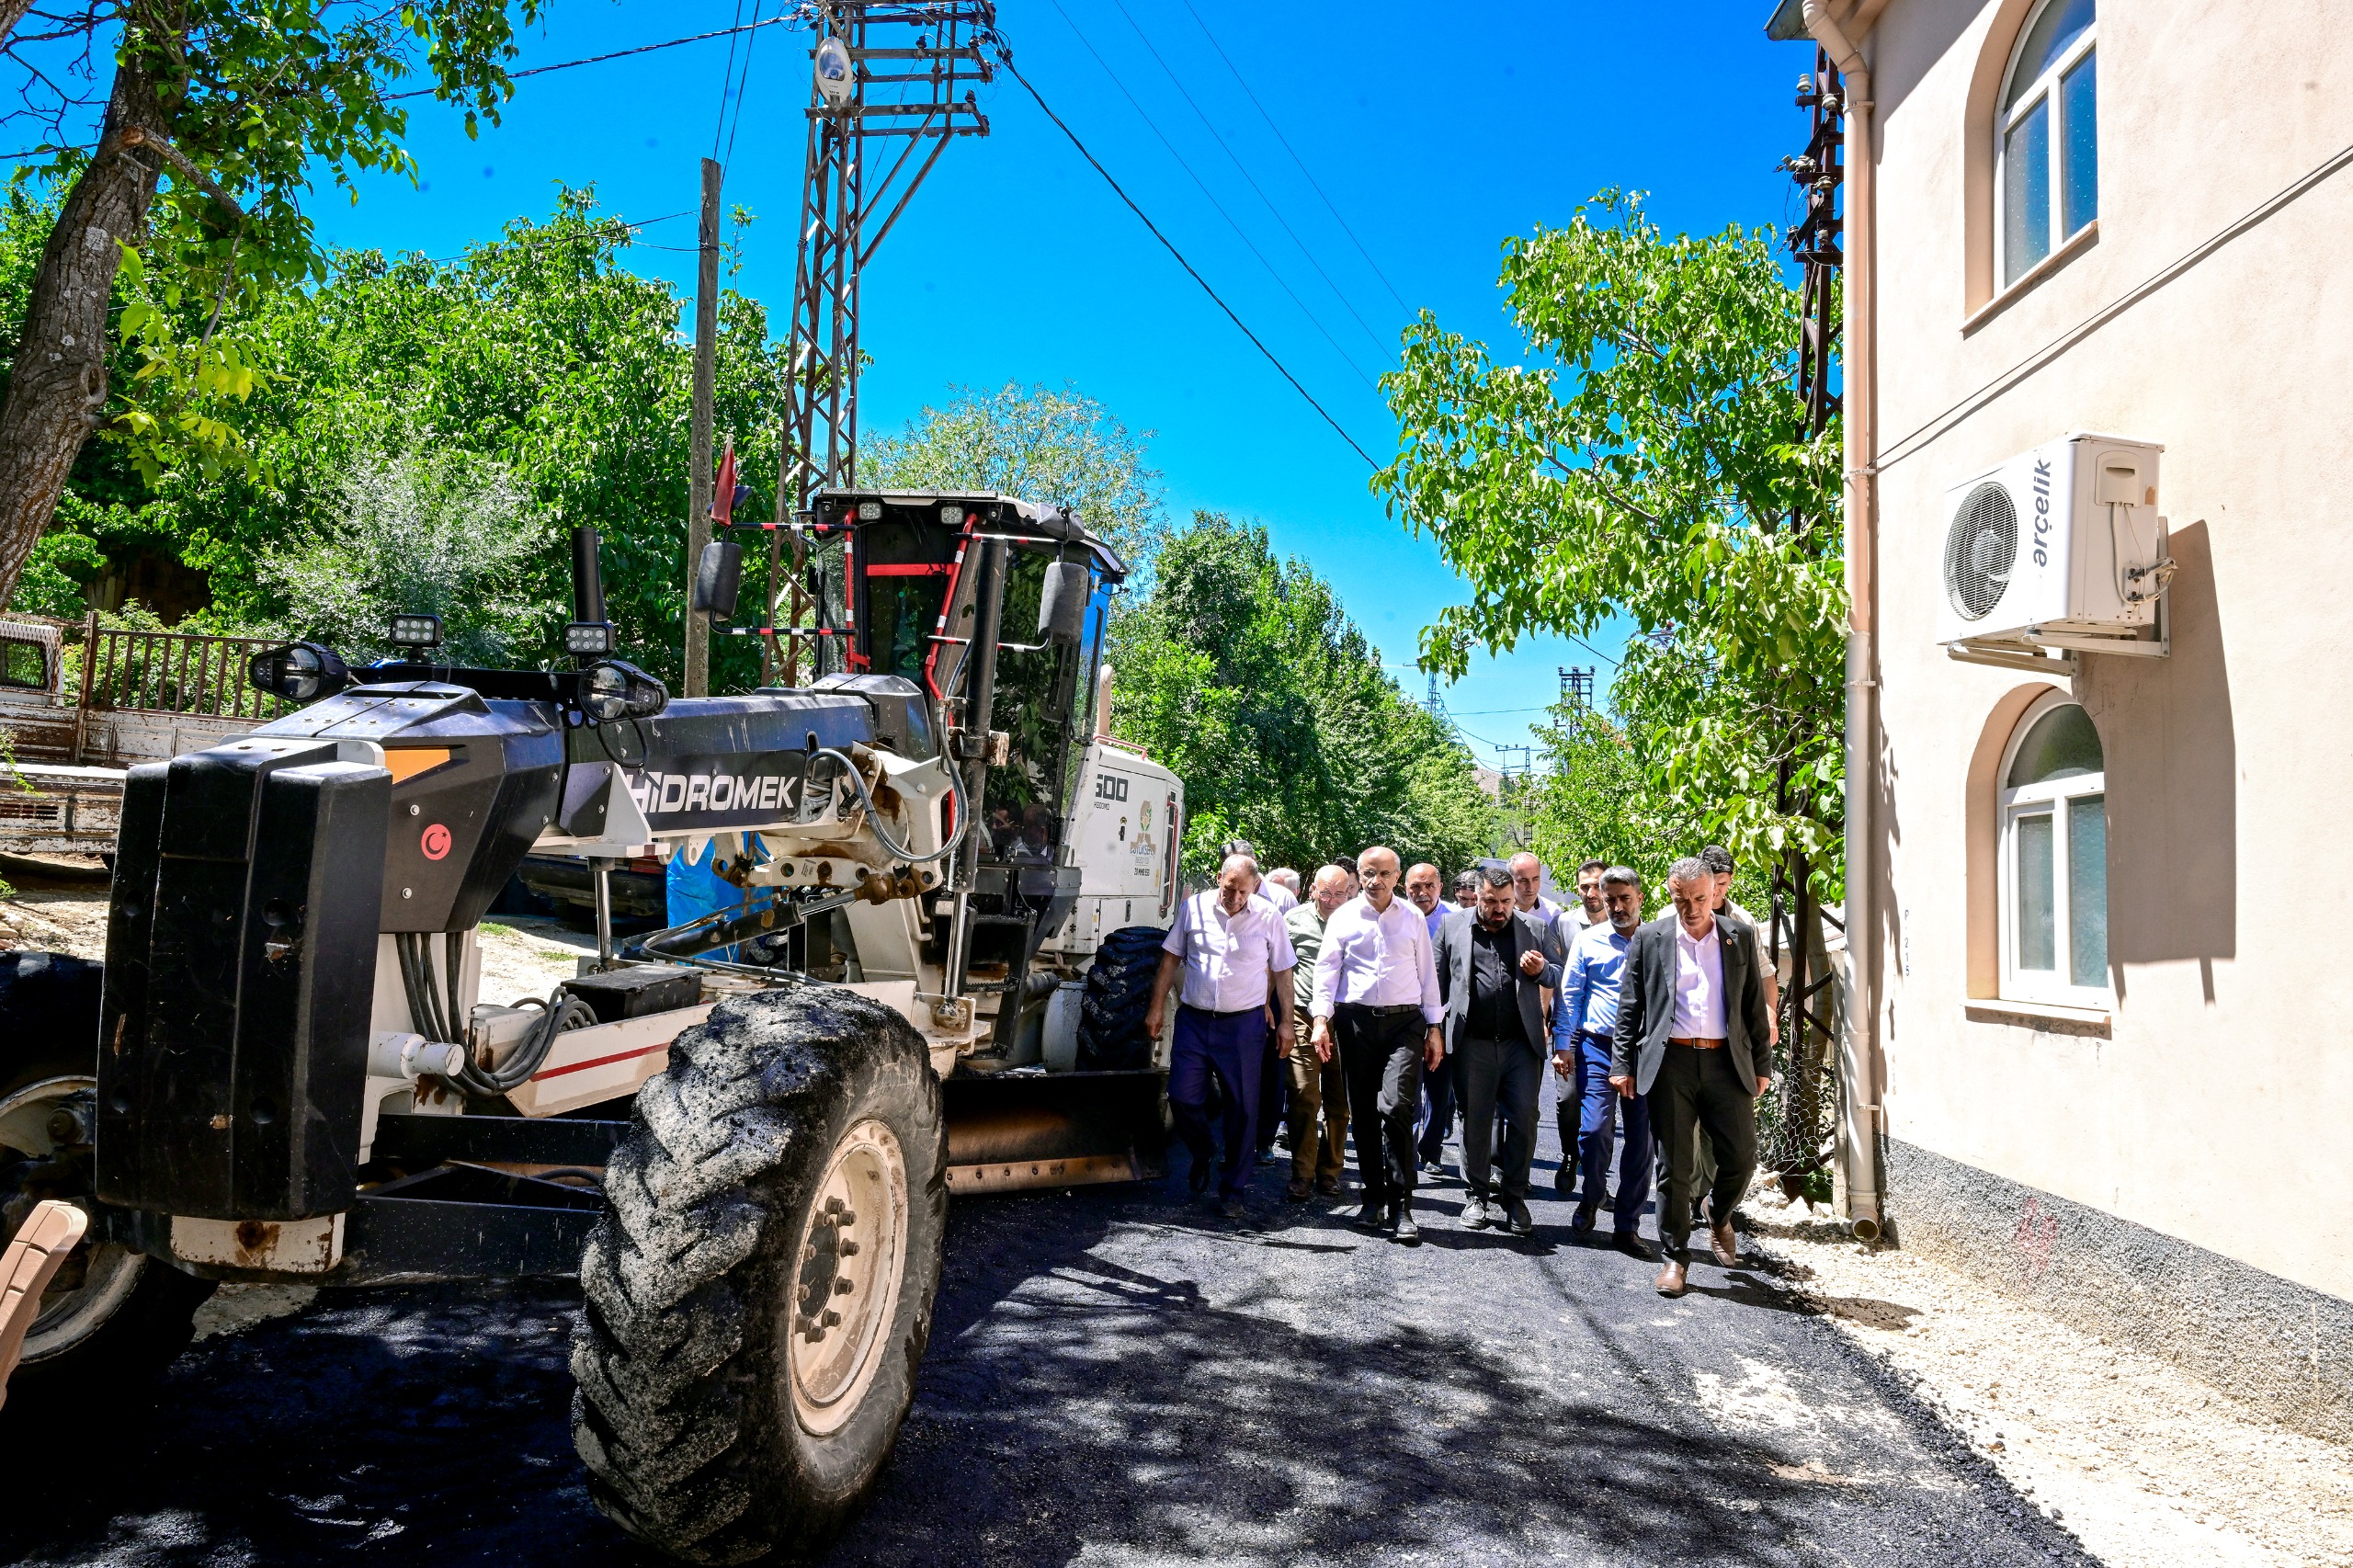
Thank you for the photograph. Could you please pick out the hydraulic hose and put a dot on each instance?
(874, 817)
(560, 1011)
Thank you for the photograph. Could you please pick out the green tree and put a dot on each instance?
(1647, 463)
(1061, 448)
(219, 116)
(538, 351)
(437, 533)
(1242, 672)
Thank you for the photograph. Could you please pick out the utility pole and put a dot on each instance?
(1576, 685)
(698, 661)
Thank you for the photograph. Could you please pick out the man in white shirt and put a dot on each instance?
(1376, 1002)
(1282, 889)
(1235, 957)
(1692, 1033)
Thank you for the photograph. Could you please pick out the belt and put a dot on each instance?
(1384, 1012)
(1212, 1013)
(1599, 1036)
(1697, 1044)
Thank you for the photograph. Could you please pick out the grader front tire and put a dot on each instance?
(758, 1293)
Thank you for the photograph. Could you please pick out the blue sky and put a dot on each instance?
(1434, 131)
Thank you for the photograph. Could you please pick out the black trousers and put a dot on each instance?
(1380, 1057)
(1697, 1095)
(1494, 1076)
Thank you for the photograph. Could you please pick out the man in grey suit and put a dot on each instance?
(1493, 970)
(1694, 1034)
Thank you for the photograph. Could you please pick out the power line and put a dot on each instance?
(1199, 113)
(1260, 104)
(1153, 126)
(1006, 56)
(618, 54)
(727, 78)
(742, 90)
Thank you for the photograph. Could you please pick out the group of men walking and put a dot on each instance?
(1415, 1009)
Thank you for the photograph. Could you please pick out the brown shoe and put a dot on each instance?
(1297, 1191)
(1724, 1244)
(1670, 1280)
(1328, 1186)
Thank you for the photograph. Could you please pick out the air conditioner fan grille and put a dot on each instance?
(1980, 552)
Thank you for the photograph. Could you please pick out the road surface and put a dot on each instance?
(1117, 1377)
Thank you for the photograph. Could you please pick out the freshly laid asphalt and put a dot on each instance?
(1117, 1377)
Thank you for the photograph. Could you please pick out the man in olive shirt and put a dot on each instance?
(1316, 1085)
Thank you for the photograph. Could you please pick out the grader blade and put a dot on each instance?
(1007, 1132)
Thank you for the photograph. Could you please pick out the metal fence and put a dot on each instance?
(175, 672)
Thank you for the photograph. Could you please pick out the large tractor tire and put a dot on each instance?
(1111, 1036)
(112, 1319)
(759, 1292)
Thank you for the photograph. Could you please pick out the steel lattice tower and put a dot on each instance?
(908, 63)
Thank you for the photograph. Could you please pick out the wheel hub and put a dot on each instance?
(846, 1292)
(44, 1152)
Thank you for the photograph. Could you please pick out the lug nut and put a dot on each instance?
(843, 1287)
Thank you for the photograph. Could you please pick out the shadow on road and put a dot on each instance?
(1096, 1388)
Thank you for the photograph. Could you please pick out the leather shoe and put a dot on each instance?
(1564, 1180)
(1581, 1224)
(1373, 1216)
(1631, 1245)
(1328, 1186)
(1523, 1223)
(1297, 1192)
(1203, 1173)
(1234, 1209)
(1724, 1244)
(1408, 1232)
(1670, 1280)
(1476, 1215)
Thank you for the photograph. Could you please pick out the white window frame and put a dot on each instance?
(2044, 88)
(2049, 798)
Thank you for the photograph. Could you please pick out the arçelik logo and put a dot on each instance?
(435, 842)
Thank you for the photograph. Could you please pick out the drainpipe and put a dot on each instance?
(1858, 1112)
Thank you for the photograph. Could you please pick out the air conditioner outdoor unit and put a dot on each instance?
(2060, 547)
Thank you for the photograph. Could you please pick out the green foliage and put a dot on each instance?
(538, 351)
(1241, 672)
(1063, 448)
(63, 564)
(433, 533)
(259, 99)
(1647, 465)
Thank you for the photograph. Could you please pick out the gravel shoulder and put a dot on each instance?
(2144, 1463)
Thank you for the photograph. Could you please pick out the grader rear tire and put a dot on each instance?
(113, 1318)
(758, 1293)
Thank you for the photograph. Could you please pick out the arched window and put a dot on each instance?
(2053, 807)
(2046, 134)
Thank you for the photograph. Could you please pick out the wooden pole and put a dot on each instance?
(698, 660)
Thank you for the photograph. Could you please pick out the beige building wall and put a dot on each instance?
(2216, 1102)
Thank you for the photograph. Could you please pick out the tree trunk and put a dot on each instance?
(57, 387)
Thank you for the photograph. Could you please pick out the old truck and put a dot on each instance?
(742, 1131)
(77, 713)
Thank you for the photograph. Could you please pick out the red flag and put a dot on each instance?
(722, 489)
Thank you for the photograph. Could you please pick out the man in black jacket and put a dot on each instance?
(1493, 973)
(1694, 1034)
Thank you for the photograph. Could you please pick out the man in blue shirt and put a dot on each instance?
(1581, 1039)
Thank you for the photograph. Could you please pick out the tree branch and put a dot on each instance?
(138, 136)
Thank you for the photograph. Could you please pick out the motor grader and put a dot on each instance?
(740, 1131)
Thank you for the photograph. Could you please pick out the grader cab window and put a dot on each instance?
(1035, 705)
